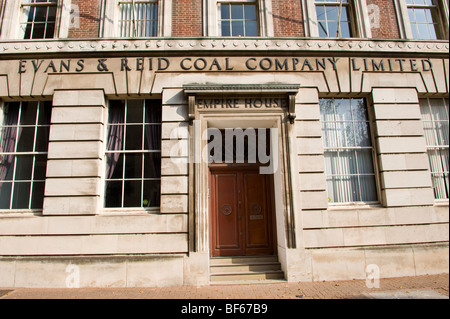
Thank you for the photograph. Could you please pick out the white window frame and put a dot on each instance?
(124, 152)
(361, 23)
(431, 126)
(340, 148)
(109, 27)
(11, 20)
(32, 153)
(405, 24)
(211, 23)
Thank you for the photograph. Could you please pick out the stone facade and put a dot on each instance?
(74, 241)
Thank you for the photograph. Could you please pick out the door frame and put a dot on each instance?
(270, 204)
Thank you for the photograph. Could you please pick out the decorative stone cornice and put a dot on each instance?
(235, 45)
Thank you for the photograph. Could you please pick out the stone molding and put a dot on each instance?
(221, 45)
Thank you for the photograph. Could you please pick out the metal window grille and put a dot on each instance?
(348, 151)
(435, 115)
(424, 16)
(135, 181)
(334, 18)
(138, 18)
(23, 154)
(38, 19)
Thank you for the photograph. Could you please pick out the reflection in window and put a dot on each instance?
(133, 155)
(23, 154)
(424, 17)
(435, 122)
(348, 151)
(238, 19)
(38, 19)
(140, 21)
(333, 18)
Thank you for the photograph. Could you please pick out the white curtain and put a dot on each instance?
(348, 151)
(436, 128)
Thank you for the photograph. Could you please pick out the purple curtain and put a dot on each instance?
(153, 136)
(8, 142)
(115, 136)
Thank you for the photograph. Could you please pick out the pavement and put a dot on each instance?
(420, 287)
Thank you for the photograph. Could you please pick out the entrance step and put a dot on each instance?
(252, 269)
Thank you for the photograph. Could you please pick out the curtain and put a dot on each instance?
(153, 137)
(8, 141)
(348, 153)
(435, 122)
(115, 136)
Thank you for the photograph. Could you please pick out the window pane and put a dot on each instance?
(225, 11)
(237, 11)
(24, 167)
(135, 111)
(237, 28)
(250, 12)
(26, 140)
(21, 195)
(113, 194)
(152, 194)
(37, 196)
(132, 194)
(133, 165)
(134, 137)
(251, 29)
(226, 28)
(5, 194)
(152, 165)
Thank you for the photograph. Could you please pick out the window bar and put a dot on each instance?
(339, 19)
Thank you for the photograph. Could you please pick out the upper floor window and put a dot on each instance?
(238, 19)
(138, 18)
(334, 18)
(24, 138)
(38, 19)
(424, 17)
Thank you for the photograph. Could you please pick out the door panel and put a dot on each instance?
(241, 212)
(257, 218)
(227, 217)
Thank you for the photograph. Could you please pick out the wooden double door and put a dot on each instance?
(242, 212)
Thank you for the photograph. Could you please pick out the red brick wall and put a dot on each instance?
(288, 18)
(388, 24)
(187, 18)
(89, 19)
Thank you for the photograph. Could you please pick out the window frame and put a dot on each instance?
(211, 23)
(360, 26)
(438, 147)
(405, 23)
(372, 148)
(34, 153)
(110, 17)
(124, 152)
(10, 28)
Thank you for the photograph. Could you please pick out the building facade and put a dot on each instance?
(144, 141)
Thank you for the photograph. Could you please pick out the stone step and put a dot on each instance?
(235, 268)
(242, 260)
(245, 269)
(247, 276)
